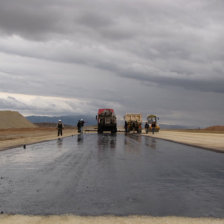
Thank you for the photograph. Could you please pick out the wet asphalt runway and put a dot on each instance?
(117, 175)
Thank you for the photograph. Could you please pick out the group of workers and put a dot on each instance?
(60, 126)
(153, 125)
(81, 123)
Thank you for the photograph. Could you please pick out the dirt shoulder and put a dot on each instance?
(68, 219)
(10, 138)
(15, 137)
(204, 139)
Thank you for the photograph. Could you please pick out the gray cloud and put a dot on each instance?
(115, 52)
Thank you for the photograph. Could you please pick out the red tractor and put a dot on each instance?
(106, 120)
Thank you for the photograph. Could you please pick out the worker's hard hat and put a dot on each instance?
(81, 119)
(59, 120)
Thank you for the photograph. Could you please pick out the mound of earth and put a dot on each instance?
(215, 128)
(13, 119)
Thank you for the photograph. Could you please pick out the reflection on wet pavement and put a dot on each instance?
(60, 142)
(80, 138)
(150, 142)
(106, 141)
(92, 174)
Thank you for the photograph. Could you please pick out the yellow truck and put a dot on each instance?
(133, 122)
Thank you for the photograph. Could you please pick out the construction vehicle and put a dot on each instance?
(106, 121)
(153, 123)
(133, 122)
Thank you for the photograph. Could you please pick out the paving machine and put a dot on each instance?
(153, 123)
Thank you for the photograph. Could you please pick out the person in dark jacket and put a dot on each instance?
(153, 127)
(80, 124)
(126, 126)
(146, 127)
(60, 126)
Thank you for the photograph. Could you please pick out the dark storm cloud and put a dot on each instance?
(147, 33)
(27, 18)
(216, 85)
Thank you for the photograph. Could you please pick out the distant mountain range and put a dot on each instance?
(69, 120)
(173, 126)
(91, 120)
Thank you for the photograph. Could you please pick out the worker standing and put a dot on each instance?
(60, 126)
(126, 126)
(153, 126)
(146, 127)
(80, 125)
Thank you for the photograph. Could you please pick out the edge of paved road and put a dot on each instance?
(35, 141)
(108, 219)
(31, 141)
(214, 149)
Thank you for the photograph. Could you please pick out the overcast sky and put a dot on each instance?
(61, 57)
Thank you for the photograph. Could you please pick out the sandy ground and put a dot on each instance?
(15, 137)
(13, 119)
(69, 219)
(205, 139)
(18, 137)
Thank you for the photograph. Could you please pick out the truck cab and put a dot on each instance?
(133, 122)
(153, 123)
(106, 120)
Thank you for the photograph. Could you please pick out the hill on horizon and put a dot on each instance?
(13, 119)
(215, 128)
(66, 120)
(91, 120)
